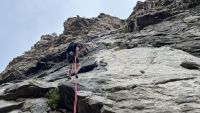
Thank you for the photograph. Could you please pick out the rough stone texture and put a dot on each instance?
(26, 89)
(155, 11)
(153, 70)
(6, 106)
(164, 87)
(67, 94)
(42, 56)
(180, 31)
(35, 106)
(81, 26)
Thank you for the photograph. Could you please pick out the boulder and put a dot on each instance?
(27, 89)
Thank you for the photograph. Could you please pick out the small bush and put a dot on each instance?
(123, 29)
(53, 98)
(117, 49)
(107, 44)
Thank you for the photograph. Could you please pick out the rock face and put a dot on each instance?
(164, 87)
(180, 31)
(153, 68)
(155, 11)
(82, 26)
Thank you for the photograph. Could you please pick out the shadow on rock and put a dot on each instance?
(190, 65)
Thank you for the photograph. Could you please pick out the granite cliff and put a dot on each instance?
(148, 63)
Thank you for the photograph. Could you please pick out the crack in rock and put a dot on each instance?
(174, 80)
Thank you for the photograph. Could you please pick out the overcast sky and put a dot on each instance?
(22, 22)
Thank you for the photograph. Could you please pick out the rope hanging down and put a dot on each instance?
(75, 87)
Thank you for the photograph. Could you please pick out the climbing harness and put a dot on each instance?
(75, 86)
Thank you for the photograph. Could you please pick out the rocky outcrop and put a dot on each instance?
(180, 31)
(27, 89)
(43, 55)
(154, 69)
(155, 11)
(25, 96)
(82, 26)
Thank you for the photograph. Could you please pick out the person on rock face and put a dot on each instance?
(73, 52)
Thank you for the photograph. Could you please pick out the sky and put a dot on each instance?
(23, 22)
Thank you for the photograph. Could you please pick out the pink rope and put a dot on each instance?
(75, 96)
(75, 88)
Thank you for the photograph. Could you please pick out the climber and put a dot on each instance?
(73, 52)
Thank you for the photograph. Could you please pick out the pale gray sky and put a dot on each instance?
(22, 22)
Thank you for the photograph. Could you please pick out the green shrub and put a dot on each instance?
(123, 29)
(107, 44)
(53, 98)
(117, 49)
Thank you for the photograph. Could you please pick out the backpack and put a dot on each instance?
(71, 50)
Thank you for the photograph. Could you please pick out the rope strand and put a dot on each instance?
(75, 87)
